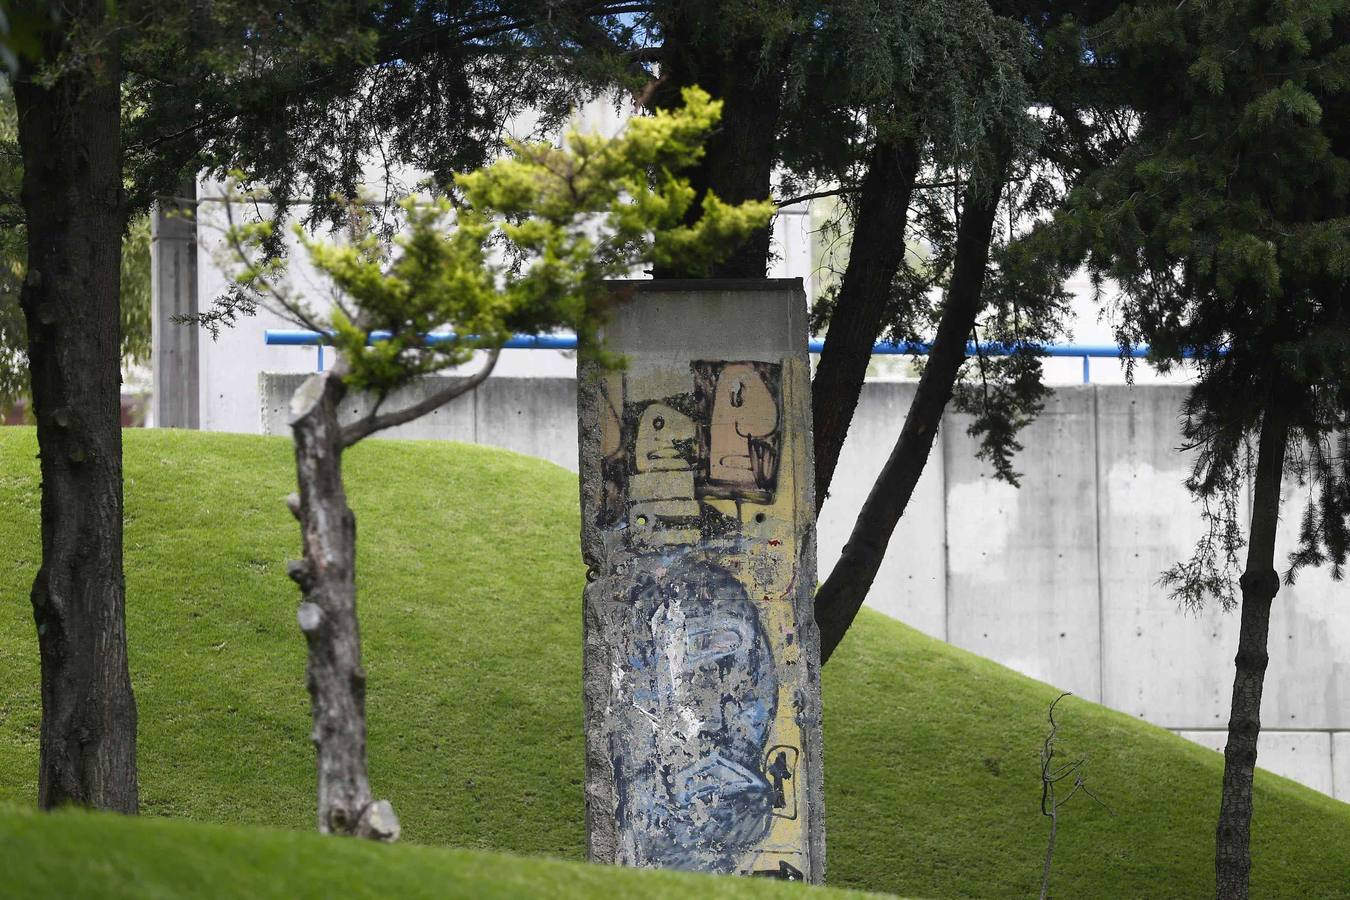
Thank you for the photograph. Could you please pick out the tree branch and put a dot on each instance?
(849, 191)
(372, 423)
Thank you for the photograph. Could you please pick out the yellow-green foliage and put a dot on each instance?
(526, 247)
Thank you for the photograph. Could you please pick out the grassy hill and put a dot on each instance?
(470, 598)
(74, 854)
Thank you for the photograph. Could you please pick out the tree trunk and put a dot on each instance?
(327, 615)
(1260, 583)
(843, 592)
(69, 135)
(739, 156)
(877, 253)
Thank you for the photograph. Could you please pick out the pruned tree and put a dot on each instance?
(1223, 221)
(528, 247)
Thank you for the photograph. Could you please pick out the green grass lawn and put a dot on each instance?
(75, 854)
(470, 584)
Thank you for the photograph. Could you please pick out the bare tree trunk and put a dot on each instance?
(843, 592)
(876, 255)
(70, 138)
(327, 577)
(1049, 854)
(1260, 583)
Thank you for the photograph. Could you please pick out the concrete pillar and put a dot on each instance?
(173, 293)
(701, 653)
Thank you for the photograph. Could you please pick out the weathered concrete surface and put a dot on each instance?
(452, 422)
(701, 660)
(1169, 667)
(1308, 681)
(1304, 756)
(536, 416)
(1340, 765)
(1022, 562)
(911, 584)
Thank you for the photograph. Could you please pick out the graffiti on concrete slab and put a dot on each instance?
(704, 714)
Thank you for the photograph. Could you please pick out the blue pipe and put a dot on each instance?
(300, 338)
(296, 337)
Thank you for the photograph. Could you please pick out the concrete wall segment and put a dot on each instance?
(1022, 562)
(1303, 756)
(911, 584)
(701, 657)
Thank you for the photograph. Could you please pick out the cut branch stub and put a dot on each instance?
(298, 570)
(379, 822)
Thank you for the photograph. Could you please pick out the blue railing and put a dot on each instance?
(294, 338)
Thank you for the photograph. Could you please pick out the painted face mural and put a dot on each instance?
(742, 426)
(704, 745)
(661, 504)
(704, 695)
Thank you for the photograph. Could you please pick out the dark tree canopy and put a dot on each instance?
(1224, 223)
(303, 96)
(1223, 219)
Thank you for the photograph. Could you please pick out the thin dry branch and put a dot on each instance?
(379, 421)
(1051, 776)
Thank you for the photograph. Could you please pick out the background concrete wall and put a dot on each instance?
(1057, 579)
(534, 416)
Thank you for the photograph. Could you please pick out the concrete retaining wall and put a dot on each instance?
(534, 416)
(1057, 579)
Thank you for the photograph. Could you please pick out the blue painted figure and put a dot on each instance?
(692, 793)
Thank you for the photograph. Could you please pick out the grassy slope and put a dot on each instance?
(470, 585)
(75, 854)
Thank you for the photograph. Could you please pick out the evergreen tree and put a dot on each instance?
(66, 93)
(959, 83)
(1224, 221)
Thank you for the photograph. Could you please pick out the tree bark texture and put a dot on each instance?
(69, 136)
(327, 616)
(877, 252)
(739, 156)
(843, 592)
(1260, 583)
